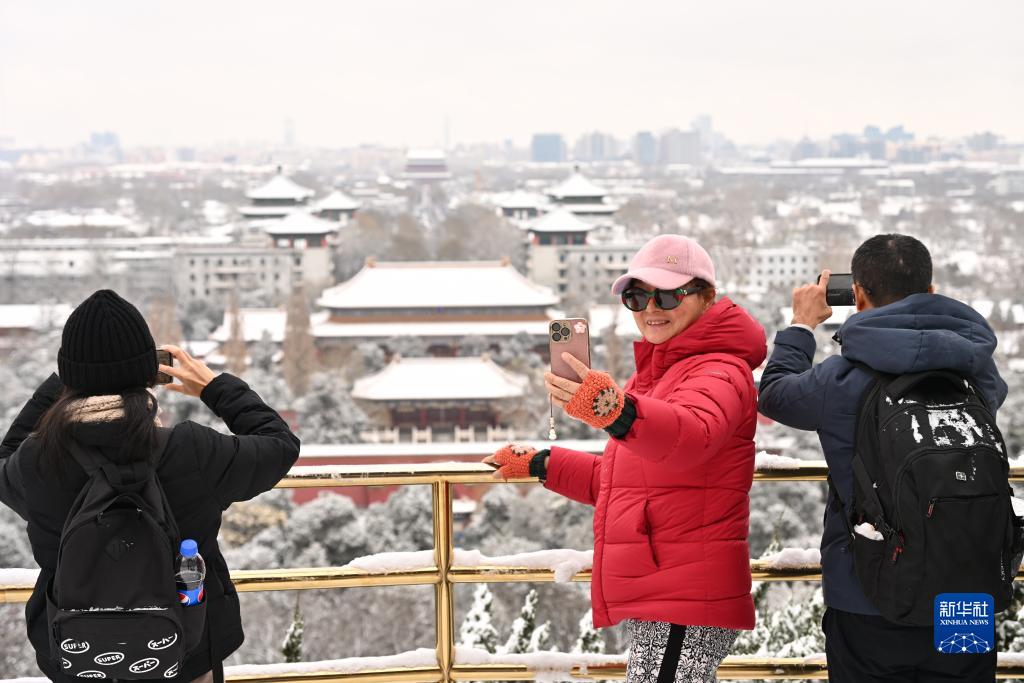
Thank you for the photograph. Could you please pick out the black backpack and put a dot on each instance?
(112, 606)
(930, 473)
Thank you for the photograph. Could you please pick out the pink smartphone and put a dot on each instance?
(570, 335)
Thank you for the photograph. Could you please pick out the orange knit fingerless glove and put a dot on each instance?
(514, 460)
(598, 402)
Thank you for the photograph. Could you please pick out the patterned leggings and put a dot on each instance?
(660, 652)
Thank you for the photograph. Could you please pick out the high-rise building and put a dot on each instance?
(645, 148)
(595, 147)
(679, 147)
(105, 144)
(547, 147)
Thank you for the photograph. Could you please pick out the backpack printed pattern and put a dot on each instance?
(931, 476)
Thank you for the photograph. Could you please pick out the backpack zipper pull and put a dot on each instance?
(931, 507)
(898, 550)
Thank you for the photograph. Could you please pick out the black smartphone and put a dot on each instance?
(840, 290)
(164, 358)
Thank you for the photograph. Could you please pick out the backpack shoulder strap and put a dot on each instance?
(163, 435)
(90, 459)
(128, 476)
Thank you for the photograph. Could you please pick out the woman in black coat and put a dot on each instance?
(103, 397)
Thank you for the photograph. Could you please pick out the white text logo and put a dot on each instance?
(163, 643)
(144, 665)
(75, 647)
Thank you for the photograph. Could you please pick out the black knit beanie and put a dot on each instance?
(106, 347)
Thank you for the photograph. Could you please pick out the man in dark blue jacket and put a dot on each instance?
(901, 327)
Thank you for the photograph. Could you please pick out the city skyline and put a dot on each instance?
(403, 74)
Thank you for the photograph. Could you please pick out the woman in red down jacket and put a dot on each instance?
(671, 489)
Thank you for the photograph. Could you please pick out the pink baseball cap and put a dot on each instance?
(667, 262)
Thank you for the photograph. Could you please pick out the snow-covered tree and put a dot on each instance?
(795, 630)
(521, 639)
(405, 522)
(291, 648)
(1010, 624)
(327, 413)
(262, 353)
(540, 637)
(477, 630)
(590, 638)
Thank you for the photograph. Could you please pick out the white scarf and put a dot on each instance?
(103, 408)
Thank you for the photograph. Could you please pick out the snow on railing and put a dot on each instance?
(413, 659)
(18, 577)
(386, 563)
(539, 662)
(564, 563)
(769, 461)
(792, 558)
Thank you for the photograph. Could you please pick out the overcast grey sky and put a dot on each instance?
(189, 72)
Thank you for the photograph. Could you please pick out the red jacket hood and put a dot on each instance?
(724, 328)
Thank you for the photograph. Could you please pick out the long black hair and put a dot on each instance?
(137, 428)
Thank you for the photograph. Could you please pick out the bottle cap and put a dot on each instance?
(189, 548)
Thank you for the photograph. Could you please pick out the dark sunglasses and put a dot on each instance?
(635, 298)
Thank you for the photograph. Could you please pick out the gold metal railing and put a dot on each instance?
(443, 576)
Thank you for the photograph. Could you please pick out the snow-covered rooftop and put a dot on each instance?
(301, 223)
(602, 316)
(592, 208)
(436, 449)
(560, 220)
(434, 155)
(280, 187)
(576, 185)
(33, 316)
(838, 317)
(432, 285)
(834, 162)
(440, 378)
(904, 183)
(92, 218)
(519, 200)
(449, 330)
(337, 201)
(255, 321)
(266, 211)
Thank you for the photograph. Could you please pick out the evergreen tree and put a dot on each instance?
(262, 354)
(540, 637)
(521, 638)
(477, 630)
(299, 360)
(755, 642)
(291, 648)
(327, 413)
(795, 631)
(590, 639)
(1010, 624)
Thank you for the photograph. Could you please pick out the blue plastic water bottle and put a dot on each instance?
(190, 575)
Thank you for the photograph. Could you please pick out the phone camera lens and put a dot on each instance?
(565, 331)
(557, 337)
(555, 326)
